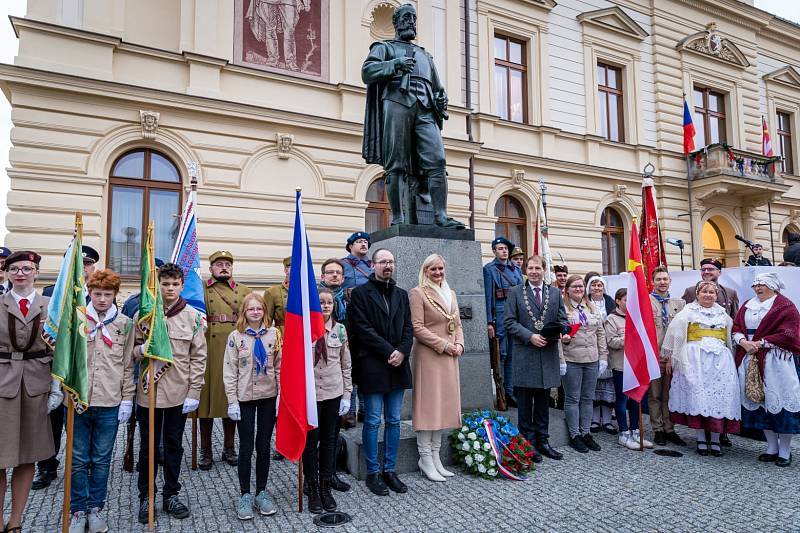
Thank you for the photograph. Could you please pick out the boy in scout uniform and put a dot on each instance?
(223, 296)
(177, 392)
(276, 296)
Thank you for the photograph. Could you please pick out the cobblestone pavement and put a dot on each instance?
(613, 490)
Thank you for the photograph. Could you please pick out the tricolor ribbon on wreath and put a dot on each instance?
(495, 443)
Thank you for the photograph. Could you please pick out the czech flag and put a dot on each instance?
(766, 142)
(688, 129)
(641, 344)
(303, 325)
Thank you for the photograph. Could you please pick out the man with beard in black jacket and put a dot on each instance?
(381, 335)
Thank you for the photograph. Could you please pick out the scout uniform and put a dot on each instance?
(664, 310)
(275, 297)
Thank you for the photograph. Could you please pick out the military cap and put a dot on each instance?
(712, 261)
(517, 251)
(90, 255)
(354, 237)
(287, 262)
(22, 255)
(502, 240)
(220, 254)
(4, 252)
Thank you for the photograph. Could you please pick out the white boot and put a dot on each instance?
(436, 444)
(425, 462)
(635, 435)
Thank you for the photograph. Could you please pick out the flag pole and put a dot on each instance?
(641, 426)
(300, 485)
(65, 514)
(689, 193)
(193, 181)
(151, 424)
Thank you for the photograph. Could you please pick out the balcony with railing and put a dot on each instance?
(742, 177)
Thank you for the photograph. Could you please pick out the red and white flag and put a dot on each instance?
(641, 343)
(766, 142)
(653, 253)
(303, 325)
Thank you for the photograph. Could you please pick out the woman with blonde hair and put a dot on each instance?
(251, 375)
(438, 342)
(584, 356)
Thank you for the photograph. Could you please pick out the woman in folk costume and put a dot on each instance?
(251, 375)
(766, 331)
(438, 343)
(705, 385)
(333, 384)
(604, 393)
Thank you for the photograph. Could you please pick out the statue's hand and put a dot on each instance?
(441, 100)
(404, 64)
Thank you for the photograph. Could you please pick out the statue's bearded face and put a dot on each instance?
(406, 25)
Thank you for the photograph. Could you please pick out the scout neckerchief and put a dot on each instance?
(663, 301)
(101, 326)
(538, 322)
(582, 316)
(259, 352)
(176, 308)
(451, 318)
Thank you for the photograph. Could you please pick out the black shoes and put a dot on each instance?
(338, 485)
(276, 456)
(674, 438)
(43, 478)
(768, 457)
(714, 449)
(660, 438)
(578, 444)
(174, 506)
(376, 485)
(725, 441)
(205, 461)
(394, 483)
(590, 443)
(544, 448)
(780, 461)
(314, 501)
(229, 456)
(328, 503)
(595, 427)
(703, 452)
(511, 401)
(144, 508)
(610, 429)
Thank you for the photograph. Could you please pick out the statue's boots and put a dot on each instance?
(438, 190)
(393, 194)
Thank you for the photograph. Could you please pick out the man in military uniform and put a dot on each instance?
(498, 278)
(47, 470)
(357, 266)
(275, 297)
(223, 297)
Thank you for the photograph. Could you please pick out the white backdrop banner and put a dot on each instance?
(740, 279)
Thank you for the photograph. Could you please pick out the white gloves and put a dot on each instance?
(55, 397)
(344, 406)
(190, 405)
(234, 413)
(602, 367)
(125, 410)
(562, 369)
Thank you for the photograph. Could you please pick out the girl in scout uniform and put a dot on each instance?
(109, 349)
(251, 374)
(334, 385)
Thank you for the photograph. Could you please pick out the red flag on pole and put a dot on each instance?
(641, 344)
(653, 253)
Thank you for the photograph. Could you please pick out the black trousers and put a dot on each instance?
(169, 425)
(533, 409)
(256, 425)
(57, 425)
(322, 461)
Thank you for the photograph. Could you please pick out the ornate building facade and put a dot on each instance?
(111, 102)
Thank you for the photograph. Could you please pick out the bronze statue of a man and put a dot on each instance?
(406, 104)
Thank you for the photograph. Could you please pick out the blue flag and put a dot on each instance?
(187, 256)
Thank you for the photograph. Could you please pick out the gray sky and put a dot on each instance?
(788, 9)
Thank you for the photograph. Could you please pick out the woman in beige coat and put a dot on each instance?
(438, 342)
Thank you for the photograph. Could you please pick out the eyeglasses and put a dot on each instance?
(386, 262)
(254, 309)
(333, 272)
(222, 264)
(25, 270)
(361, 241)
(709, 269)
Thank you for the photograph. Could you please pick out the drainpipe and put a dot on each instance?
(468, 103)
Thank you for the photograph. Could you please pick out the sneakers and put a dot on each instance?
(174, 506)
(635, 436)
(590, 443)
(627, 441)
(245, 509)
(578, 445)
(264, 504)
(96, 522)
(78, 522)
(144, 508)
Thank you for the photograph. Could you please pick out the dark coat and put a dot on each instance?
(533, 367)
(792, 252)
(376, 332)
(758, 261)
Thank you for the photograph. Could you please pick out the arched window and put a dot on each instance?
(378, 215)
(144, 185)
(613, 241)
(511, 221)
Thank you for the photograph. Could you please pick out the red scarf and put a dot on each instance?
(780, 326)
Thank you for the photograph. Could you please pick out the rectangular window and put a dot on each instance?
(510, 73)
(785, 142)
(709, 116)
(609, 99)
